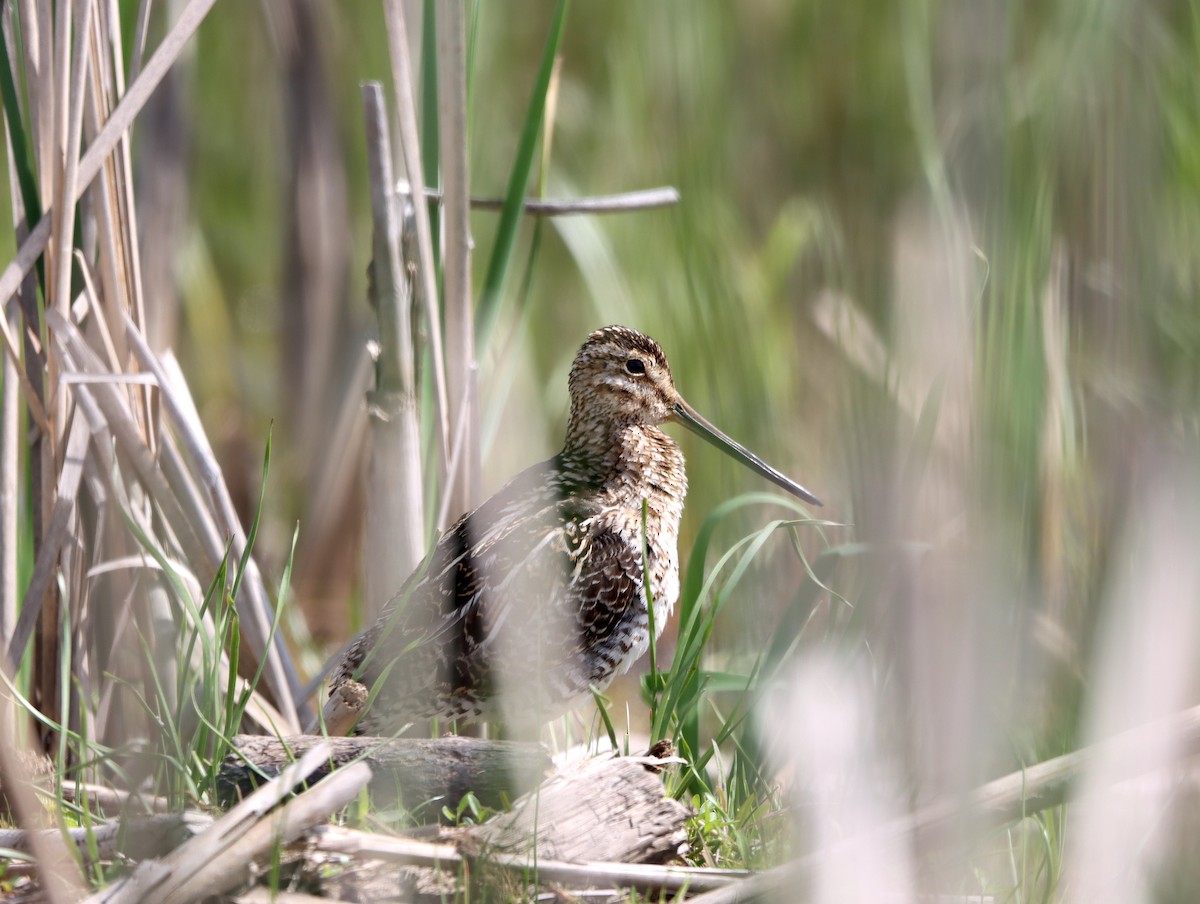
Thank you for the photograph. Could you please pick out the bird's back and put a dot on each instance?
(531, 598)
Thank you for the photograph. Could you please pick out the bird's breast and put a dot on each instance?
(644, 502)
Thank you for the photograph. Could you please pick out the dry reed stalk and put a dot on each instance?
(9, 474)
(462, 492)
(11, 372)
(426, 272)
(395, 519)
(134, 838)
(103, 144)
(58, 85)
(256, 611)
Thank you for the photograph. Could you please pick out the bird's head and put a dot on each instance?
(621, 376)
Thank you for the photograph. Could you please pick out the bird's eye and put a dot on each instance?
(635, 366)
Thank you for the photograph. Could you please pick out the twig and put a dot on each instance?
(646, 877)
(623, 202)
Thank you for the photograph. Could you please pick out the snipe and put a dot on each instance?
(538, 594)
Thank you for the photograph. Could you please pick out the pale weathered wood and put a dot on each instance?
(607, 808)
(153, 876)
(220, 859)
(233, 865)
(138, 838)
(415, 771)
(604, 809)
(342, 708)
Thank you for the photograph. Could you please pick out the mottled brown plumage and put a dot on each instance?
(537, 595)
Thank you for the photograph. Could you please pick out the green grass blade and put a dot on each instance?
(693, 583)
(20, 146)
(686, 682)
(605, 719)
(649, 593)
(514, 196)
(233, 720)
(252, 534)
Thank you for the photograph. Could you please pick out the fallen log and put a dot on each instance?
(422, 774)
(590, 824)
(606, 808)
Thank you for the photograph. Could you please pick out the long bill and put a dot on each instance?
(690, 418)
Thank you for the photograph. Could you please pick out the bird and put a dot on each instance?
(544, 592)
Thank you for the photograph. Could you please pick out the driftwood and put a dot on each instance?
(342, 709)
(416, 771)
(606, 809)
(604, 823)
